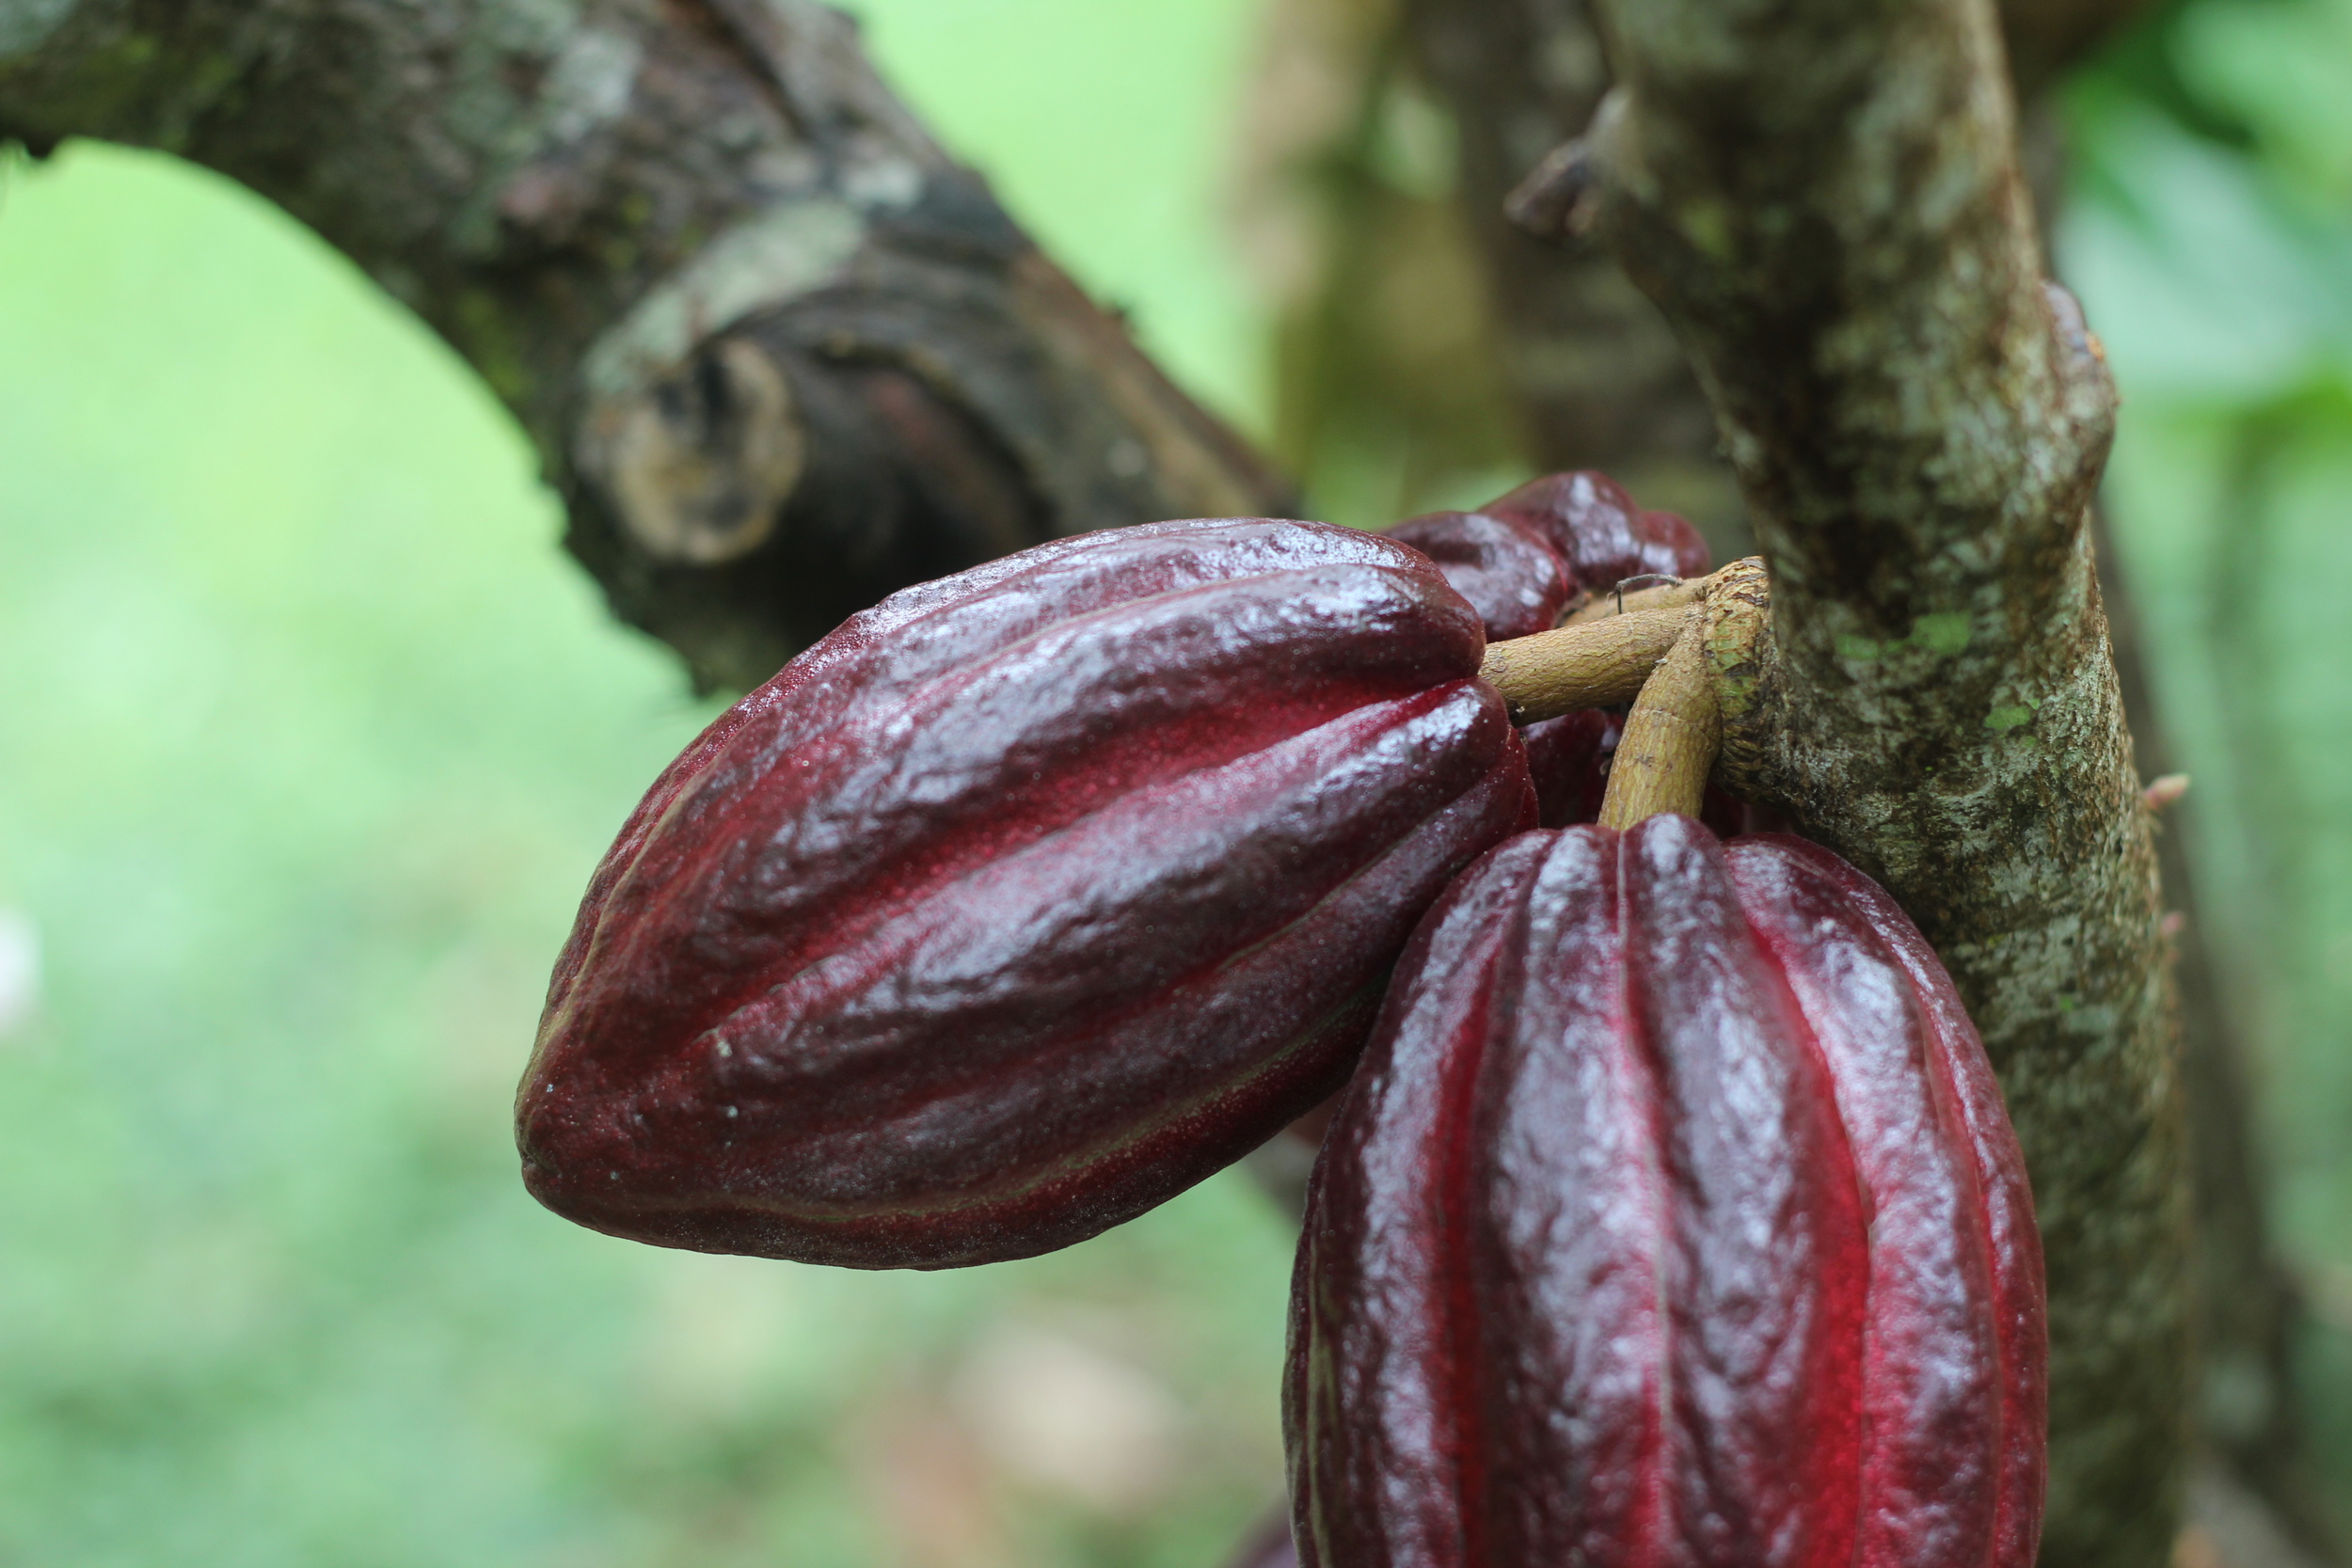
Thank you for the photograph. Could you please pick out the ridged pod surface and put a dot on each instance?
(1526, 557)
(1021, 902)
(1672, 1218)
(1523, 559)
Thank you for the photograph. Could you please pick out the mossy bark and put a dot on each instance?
(779, 352)
(1824, 198)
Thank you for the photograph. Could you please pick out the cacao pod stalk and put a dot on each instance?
(1527, 558)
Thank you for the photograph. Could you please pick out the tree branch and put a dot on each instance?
(1823, 196)
(780, 353)
(1597, 375)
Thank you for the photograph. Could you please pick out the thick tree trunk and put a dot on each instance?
(1825, 199)
(1592, 366)
(779, 352)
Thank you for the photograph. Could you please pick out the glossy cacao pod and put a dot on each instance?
(1568, 758)
(1526, 557)
(1021, 901)
(1673, 1217)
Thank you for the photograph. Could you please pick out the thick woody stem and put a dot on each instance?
(1595, 371)
(1589, 664)
(1668, 747)
(1824, 196)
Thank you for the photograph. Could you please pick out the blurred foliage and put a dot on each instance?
(2210, 235)
(1386, 370)
(308, 737)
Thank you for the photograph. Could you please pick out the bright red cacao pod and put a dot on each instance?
(1673, 1217)
(1021, 901)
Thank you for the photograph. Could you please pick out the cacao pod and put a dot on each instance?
(1568, 758)
(1599, 530)
(1515, 577)
(1525, 558)
(1672, 1217)
(1021, 902)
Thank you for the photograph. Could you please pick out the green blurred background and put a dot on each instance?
(308, 737)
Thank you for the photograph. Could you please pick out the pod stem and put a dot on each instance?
(1668, 749)
(1663, 649)
(1594, 663)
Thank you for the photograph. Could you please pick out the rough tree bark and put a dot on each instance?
(1594, 370)
(779, 352)
(1826, 199)
(1600, 382)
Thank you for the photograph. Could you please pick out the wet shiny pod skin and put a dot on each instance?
(1525, 558)
(1673, 1217)
(1021, 902)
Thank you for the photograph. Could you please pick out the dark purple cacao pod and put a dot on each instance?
(1599, 530)
(1568, 757)
(1515, 577)
(1523, 559)
(1021, 902)
(1671, 1217)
